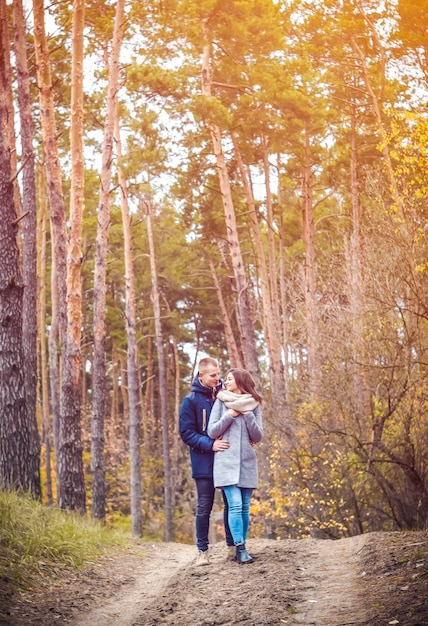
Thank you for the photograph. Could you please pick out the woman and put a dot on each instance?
(236, 417)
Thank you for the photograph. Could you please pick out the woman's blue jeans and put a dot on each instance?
(238, 501)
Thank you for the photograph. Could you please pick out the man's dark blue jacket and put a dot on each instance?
(195, 411)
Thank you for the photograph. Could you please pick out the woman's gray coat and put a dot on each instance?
(238, 464)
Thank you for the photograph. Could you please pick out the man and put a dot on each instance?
(195, 412)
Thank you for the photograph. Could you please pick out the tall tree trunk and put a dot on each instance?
(246, 327)
(270, 318)
(162, 378)
(9, 128)
(231, 347)
(176, 448)
(86, 357)
(124, 389)
(133, 382)
(285, 341)
(277, 366)
(308, 229)
(149, 434)
(99, 373)
(16, 464)
(44, 378)
(355, 287)
(70, 460)
(378, 115)
(270, 231)
(58, 331)
(54, 366)
(29, 228)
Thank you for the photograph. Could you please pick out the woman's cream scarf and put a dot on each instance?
(241, 402)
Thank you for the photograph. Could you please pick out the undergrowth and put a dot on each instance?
(37, 540)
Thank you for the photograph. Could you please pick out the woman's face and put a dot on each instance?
(230, 383)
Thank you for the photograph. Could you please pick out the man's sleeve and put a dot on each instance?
(188, 428)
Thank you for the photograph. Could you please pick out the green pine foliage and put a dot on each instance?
(279, 70)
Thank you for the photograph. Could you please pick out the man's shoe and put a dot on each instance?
(202, 558)
(231, 553)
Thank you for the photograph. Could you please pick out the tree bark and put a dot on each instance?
(231, 347)
(29, 228)
(17, 470)
(99, 373)
(308, 230)
(58, 330)
(9, 128)
(270, 318)
(378, 115)
(162, 378)
(246, 327)
(44, 378)
(277, 366)
(131, 326)
(361, 390)
(149, 427)
(285, 334)
(70, 460)
(176, 447)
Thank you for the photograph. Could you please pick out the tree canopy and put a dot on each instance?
(282, 149)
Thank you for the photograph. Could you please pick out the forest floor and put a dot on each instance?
(372, 580)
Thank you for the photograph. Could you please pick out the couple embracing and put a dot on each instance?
(221, 426)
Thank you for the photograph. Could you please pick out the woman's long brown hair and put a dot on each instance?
(245, 382)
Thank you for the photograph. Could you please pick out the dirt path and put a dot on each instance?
(370, 580)
(152, 574)
(334, 594)
(319, 579)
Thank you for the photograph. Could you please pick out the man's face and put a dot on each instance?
(210, 377)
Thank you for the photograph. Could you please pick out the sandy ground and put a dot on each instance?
(378, 579)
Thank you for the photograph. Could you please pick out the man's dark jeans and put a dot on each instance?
(206, 492)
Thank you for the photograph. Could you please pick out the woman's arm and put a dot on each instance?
(219, 423)
(253, 421)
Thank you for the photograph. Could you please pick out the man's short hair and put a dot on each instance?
(206, 362)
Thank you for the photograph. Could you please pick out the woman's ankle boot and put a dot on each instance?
(242, 555)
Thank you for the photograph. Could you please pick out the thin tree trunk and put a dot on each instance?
(283, 294)
(99, 373)
(70, 462)
(29, 227)
(83, 385)
(133, 383)
(58, 330)
(123, 389)
(270, 318)
(176, 474)
(355, 284)
(381, 127)
(162, 379)
(270, 232)
(248, 337)
(274, 319)
(9, 128)
(54, 367)
(44, 378)
(231, 347)
(308, 229)
(149, 432)
(112, 430)
(53, 170)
